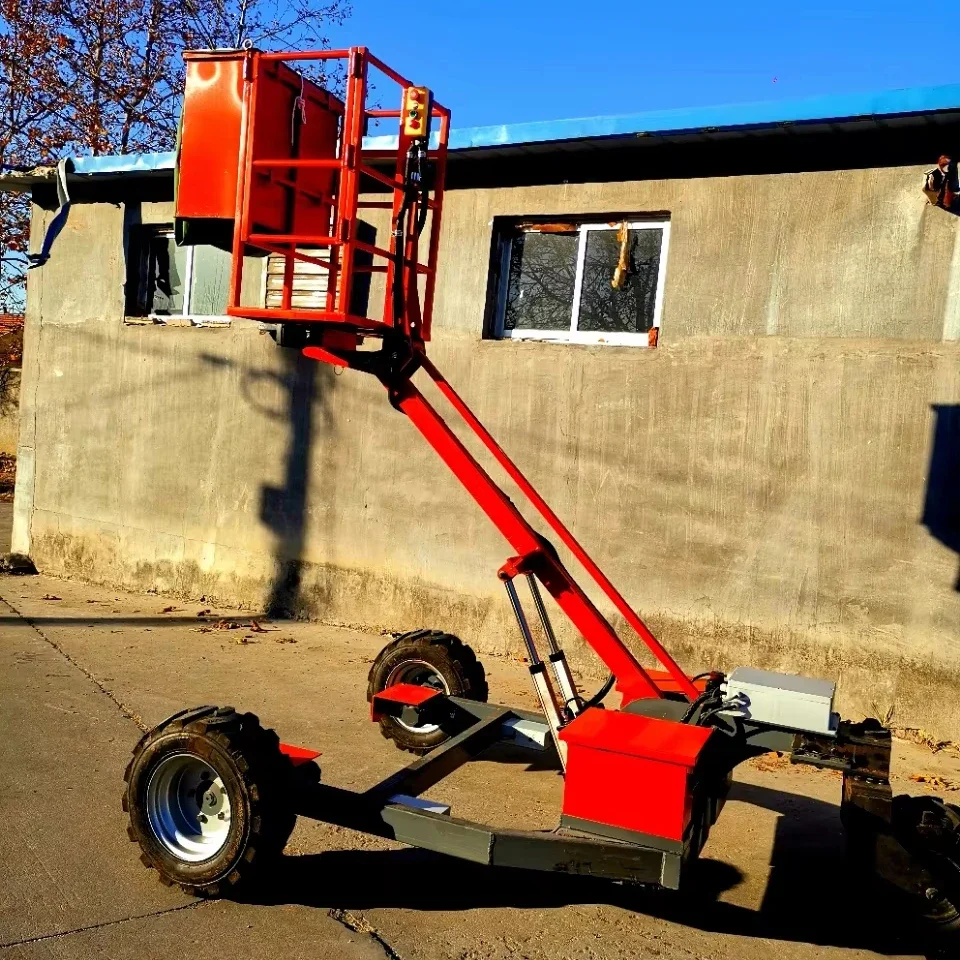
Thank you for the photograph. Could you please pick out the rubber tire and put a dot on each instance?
(258, 778)
(449, 656)
(940, 921)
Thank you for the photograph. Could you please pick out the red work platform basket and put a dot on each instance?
(264, 146)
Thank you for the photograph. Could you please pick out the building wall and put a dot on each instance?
(777, 484)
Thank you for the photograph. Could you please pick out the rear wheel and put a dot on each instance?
(208, 795)
(425, 658)
(930, 830)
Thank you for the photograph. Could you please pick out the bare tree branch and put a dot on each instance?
(102, 76)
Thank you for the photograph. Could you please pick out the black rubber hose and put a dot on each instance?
(597, 698)
(400, 239)
(699, 702)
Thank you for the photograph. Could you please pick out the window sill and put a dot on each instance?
(584, 339)
(157, 321)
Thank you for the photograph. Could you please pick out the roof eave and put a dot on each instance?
(23, 181)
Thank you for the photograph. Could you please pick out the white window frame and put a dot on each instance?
(187, 294)
(573, 335)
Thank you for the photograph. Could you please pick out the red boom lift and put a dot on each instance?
(270, 155)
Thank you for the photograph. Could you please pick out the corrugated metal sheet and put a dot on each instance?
(127, 163)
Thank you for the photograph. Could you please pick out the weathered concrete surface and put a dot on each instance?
(846, 253)
(74, 669)
(71, 885)
(775, 485)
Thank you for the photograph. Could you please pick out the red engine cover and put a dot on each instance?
(631, 772)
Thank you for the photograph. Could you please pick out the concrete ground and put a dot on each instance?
(83, 670)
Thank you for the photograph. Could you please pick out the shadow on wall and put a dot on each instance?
(283, 509)
(941, 509)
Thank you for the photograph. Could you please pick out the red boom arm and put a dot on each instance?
(298, 194)
(535, 553)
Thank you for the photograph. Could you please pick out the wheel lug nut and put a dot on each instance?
(221, 816)
(203, 818)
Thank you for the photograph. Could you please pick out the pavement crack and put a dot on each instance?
(128, 712)
(100, 926)
(360, 924)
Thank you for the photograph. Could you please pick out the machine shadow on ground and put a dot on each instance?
(807, 855)
(284, 508)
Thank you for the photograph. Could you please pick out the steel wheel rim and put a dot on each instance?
(420, 674)
(188, 808)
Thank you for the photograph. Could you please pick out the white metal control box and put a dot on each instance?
(782, 700)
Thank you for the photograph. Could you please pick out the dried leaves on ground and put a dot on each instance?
(926, 739)
(8, 472)
(935, 782)
(225, 624)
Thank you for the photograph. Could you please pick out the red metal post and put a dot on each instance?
(245, 172)
(669, 664)
(632, 680)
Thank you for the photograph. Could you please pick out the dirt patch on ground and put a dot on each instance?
(8, 473)
(781, 763)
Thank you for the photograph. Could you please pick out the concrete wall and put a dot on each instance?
(777, 484)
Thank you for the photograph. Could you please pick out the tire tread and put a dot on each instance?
(472, 679)
(256, 753)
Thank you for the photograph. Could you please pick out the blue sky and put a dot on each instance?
(504, 61)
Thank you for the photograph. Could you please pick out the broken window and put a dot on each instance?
(165, 280)
(582, 282)
(542, 277)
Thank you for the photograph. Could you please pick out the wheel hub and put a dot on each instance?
(188, 808)
(421, 674)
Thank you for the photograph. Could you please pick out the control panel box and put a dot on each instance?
(782, 700)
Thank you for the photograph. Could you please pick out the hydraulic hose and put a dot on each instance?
(597, 698)
(414, 193)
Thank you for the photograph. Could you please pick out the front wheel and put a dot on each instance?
(426, 658)
(208, 795)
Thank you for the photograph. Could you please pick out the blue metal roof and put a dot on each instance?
(923, 101)
(887, 103)
(125, 163)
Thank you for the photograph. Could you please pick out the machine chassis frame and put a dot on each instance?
(389, 809)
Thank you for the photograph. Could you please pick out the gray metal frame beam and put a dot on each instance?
(454, 753)
(480, 726)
